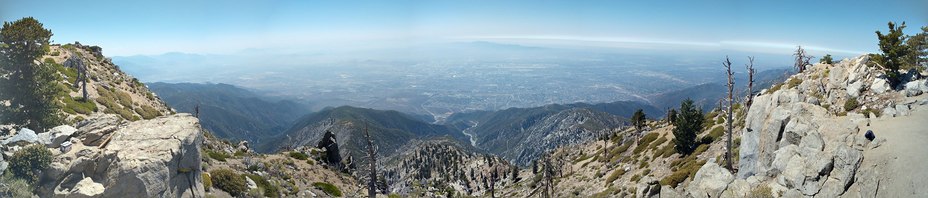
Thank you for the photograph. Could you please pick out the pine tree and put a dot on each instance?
(30, 88)
(638, 119)
(894, 51)
(689, 122)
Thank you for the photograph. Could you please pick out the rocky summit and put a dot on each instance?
(151, 158)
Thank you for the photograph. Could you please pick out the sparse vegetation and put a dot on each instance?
(762, 191)
(298, 155)
(14, 187)
(793, 82)
(328, 188)
(217, 155)
(207, 181)
(615, 175)
(270, 190)
(850, 104)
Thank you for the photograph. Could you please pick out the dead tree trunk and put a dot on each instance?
(751, 71)
(372, 164)
(731, 85)
(801, 59)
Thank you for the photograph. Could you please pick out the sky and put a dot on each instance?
(125, 28)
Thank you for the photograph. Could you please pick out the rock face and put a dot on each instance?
(151, 158)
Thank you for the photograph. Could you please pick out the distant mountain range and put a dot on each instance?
(389, 129)
(708, 95)
(518, 135)
(231, 112)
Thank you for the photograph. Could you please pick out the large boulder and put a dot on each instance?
(85, 188)
(95, 129)
(59, 135)
(853, 89)
(879, 86)
(23, 137)
(915, 88)
(151, 158)
(710, 181)
(668, 192)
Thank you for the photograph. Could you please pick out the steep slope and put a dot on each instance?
(109, 89)
(443, 167)
(118, 140)
(389, 129)
(521, 135)
(231, 112)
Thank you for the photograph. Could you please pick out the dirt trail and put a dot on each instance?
(901, 162)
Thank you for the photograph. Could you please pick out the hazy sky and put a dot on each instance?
(155, 27)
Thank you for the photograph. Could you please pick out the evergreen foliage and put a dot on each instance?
(29, 162)
(689, 122)
(30, 88)
(893, 48)
(638, 119)
(826, 59)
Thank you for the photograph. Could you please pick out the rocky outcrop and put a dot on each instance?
(151, 158)
(795, 140)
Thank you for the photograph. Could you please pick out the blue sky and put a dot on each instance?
(153, 27)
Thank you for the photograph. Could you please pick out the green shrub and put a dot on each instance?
(775, 88)
(79, 105)
(218, 156)
(688, 170)
(665, 151)
(716, 133)
(793, 82)
(850, 104)
(299, 155)
(328, 188)
(28, 163)
(229, 181)
(270, 190)
(636, 178)
(147, 112)
(658, 142)
(826, 59)
(207, 182)
(124, 99)
(867, 113)
(644, 142)
(615, 175)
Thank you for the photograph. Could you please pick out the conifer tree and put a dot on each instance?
(30, 88)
